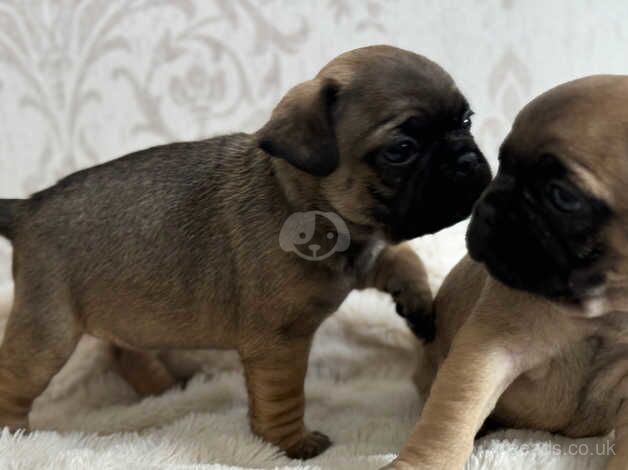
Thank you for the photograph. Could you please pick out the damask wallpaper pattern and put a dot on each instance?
(83, 81)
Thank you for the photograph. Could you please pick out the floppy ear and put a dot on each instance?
(301, 128)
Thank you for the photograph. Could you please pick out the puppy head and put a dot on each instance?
(383, 135)
(555, 219)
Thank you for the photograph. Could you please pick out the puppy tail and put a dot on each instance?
(7, 216)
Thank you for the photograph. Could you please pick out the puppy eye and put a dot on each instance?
(466, 120)
(562, 198)
(401, 152)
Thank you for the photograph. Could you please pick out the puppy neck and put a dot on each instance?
(300, 189)
(302, 192)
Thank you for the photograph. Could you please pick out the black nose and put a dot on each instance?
(467, 163)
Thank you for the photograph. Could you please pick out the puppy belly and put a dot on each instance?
(163, 341)
(158, 330)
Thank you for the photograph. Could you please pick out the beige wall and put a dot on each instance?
(82, 81)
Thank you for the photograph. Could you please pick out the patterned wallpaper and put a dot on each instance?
(83, 81)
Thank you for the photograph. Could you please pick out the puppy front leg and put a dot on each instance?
(471, 379)
(275, 380)
(399, 271)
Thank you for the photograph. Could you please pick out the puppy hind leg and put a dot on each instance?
(144, 371)
(275, 383)
(619, 453)
(39, 338)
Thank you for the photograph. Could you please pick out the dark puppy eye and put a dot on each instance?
(563, 198)
(401, 152)
(466, 120)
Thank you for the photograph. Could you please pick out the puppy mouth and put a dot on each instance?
(484, 247)
(506, 274)
(456, 198)
(478, 239)
(433, 192)
(537, 272)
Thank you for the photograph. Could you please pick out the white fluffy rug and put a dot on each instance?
(359, 390)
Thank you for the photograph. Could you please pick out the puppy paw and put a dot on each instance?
(416, 308)
(312, 444)
(14, 423)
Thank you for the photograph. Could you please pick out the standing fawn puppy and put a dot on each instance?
(532, 326)
(245, 241)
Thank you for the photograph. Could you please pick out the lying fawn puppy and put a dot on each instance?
(245, 241)
(533, 326)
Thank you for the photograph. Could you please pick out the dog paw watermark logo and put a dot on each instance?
(314, 235)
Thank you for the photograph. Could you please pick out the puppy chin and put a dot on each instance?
(428, 224)
(435, 218)
(586, 300)
(501, 266)
(477, 234)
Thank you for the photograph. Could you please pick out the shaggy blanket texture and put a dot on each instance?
(359, 391)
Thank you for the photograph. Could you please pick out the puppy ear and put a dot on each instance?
(301, 128)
